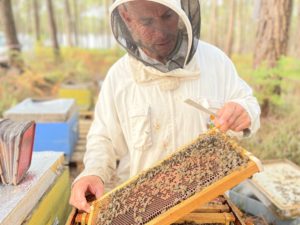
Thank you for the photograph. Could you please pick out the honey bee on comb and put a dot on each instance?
(193, 223)
(198, 172)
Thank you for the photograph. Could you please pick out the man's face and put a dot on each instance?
(153, 26)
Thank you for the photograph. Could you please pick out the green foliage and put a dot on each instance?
(270, 84)
(279, 135)
(43, 75)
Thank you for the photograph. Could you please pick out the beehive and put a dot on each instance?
(193, 175)
(219, 211)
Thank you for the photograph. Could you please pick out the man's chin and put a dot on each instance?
(159, 55)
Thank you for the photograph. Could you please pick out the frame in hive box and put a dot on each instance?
(192, 176)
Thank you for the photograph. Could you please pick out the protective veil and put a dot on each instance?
(162, 34)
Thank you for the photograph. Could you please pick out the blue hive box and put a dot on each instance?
(56, 123)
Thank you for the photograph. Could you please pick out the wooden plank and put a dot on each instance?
(82, 135)
(77, 157)
(235, 211)
(84, 130)
(223, 218)
(81, 142)
(80, 148)
(71, 218)
(85, 125)
(86, 114)
(212, 209)
(85, 122)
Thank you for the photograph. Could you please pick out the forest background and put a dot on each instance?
(46, 43)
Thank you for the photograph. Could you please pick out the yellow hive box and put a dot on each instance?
(41, 197)
(54, 207)
(80, 92)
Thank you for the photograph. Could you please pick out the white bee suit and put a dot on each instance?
(140, 116)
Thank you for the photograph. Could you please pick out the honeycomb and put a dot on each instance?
(208, 159)
(192, 223)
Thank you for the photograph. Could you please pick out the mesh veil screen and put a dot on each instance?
(155, 35)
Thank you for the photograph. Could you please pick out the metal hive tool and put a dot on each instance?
(193, 175)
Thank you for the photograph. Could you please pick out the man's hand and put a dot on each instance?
(232, 117)
(88, 184)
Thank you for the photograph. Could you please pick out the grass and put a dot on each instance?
(279, 135)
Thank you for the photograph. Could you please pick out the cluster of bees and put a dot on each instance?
(188, 171)
(193, 223)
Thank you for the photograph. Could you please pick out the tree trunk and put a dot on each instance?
(240, 26)
(37, 27)
(272, 32)
(28, 28)
(69, 23)
(230, 34)
(12, 42)
(107, 27)
(75, 22)
(213, 23)
(53, 30)
(298, 33)
(10, 31)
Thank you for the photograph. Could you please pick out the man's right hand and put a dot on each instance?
(87, 184)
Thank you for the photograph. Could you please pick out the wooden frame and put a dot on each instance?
(207, 194)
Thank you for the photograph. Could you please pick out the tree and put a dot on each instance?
(298, 32)
(107, 27)
(53, 30)
(230, 33)
(10, 31)
(213, 22)
(69, 23)
(240, 26)
(36, 20)
(75, 22)
(272, 32)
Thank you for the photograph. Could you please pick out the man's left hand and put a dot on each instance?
(232, 116)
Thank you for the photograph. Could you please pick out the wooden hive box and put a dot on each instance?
(42, 196)
(80, 92)
(218, 211)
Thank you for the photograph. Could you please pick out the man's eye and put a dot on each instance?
(146, 22)
(167, 16)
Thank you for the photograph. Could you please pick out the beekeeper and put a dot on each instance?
(141, 116)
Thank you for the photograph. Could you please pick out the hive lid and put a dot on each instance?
(54, 110)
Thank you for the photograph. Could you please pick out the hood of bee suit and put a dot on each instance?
(161, 37)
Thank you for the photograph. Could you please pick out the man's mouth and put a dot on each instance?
(163, 43)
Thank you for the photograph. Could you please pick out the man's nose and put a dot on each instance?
(161, 30)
